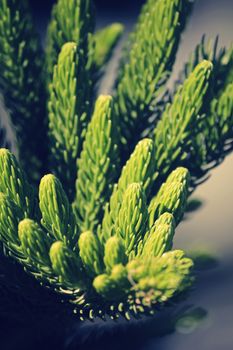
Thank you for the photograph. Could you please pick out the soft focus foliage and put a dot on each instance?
(114, 172)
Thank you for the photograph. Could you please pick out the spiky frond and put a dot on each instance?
(66, 265)
(174, 132)
(218, 130)
(22, 83)
(150, 289)
(35, 242)
(98, 165)
(212, 140)
(110, 251)
(57, 215)
(132, 218)
(171, 197)
(139, 168)
(91, 253)
(72, 21)
(10, 215)
(89, 270)
(141, 81)
(14, 184)
(159, 238)
(69, 111)
(114, 253)
(105, 41)
(208, 49)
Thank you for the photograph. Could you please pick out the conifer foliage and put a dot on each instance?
(99, 228)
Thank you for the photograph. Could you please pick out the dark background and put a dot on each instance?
(108, 5)
(106, 12)
(43, 6)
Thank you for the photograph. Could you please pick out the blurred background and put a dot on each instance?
(208, 231)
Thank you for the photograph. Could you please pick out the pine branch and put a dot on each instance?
(109, 252)
(14, 184)
(105, 41)
(91, 253)
(10, 216)
(72, 21)
(218, 135)
(35, 243)
(213, 137)
(57, 215)
(171, 197)
(98, 166)
(220, 57)
(20, 62)
(132, 219)
(139, 168)
(159, 238)
(95, 275)
(229, 65)
(160, 278)
(149, 62)
(114, 286)
(69, 111)
(114, 253)
(176, 129)
(66, 265)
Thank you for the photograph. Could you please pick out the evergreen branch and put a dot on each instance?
(220, 125)
(158, 279)
(104, 286)
(159, 238)
(132, 219)
(69, 110)
(57, 215)
(105, 41)
(114, 253)
(10, 216)
(154, 280)
(14, 184)
(20, 62)
(35, 243)
(220, 57)
(148, 65)
(214, 134)
(98, 166)
(174, 132)
(139, 168)
(91, 271)
(72, 21)
(171, 197)
(214, 139)
(91, 253)
(66, 265)
(217, 125)
(114, 286)
(229, 64)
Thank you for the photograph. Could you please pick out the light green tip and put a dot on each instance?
(69, 46)
(68, 49)
(104, 286)
(207, 64)
(4, 152)
(55, 249)
(133, 188)
(48, 179)
(103, 99)
(24, 225)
